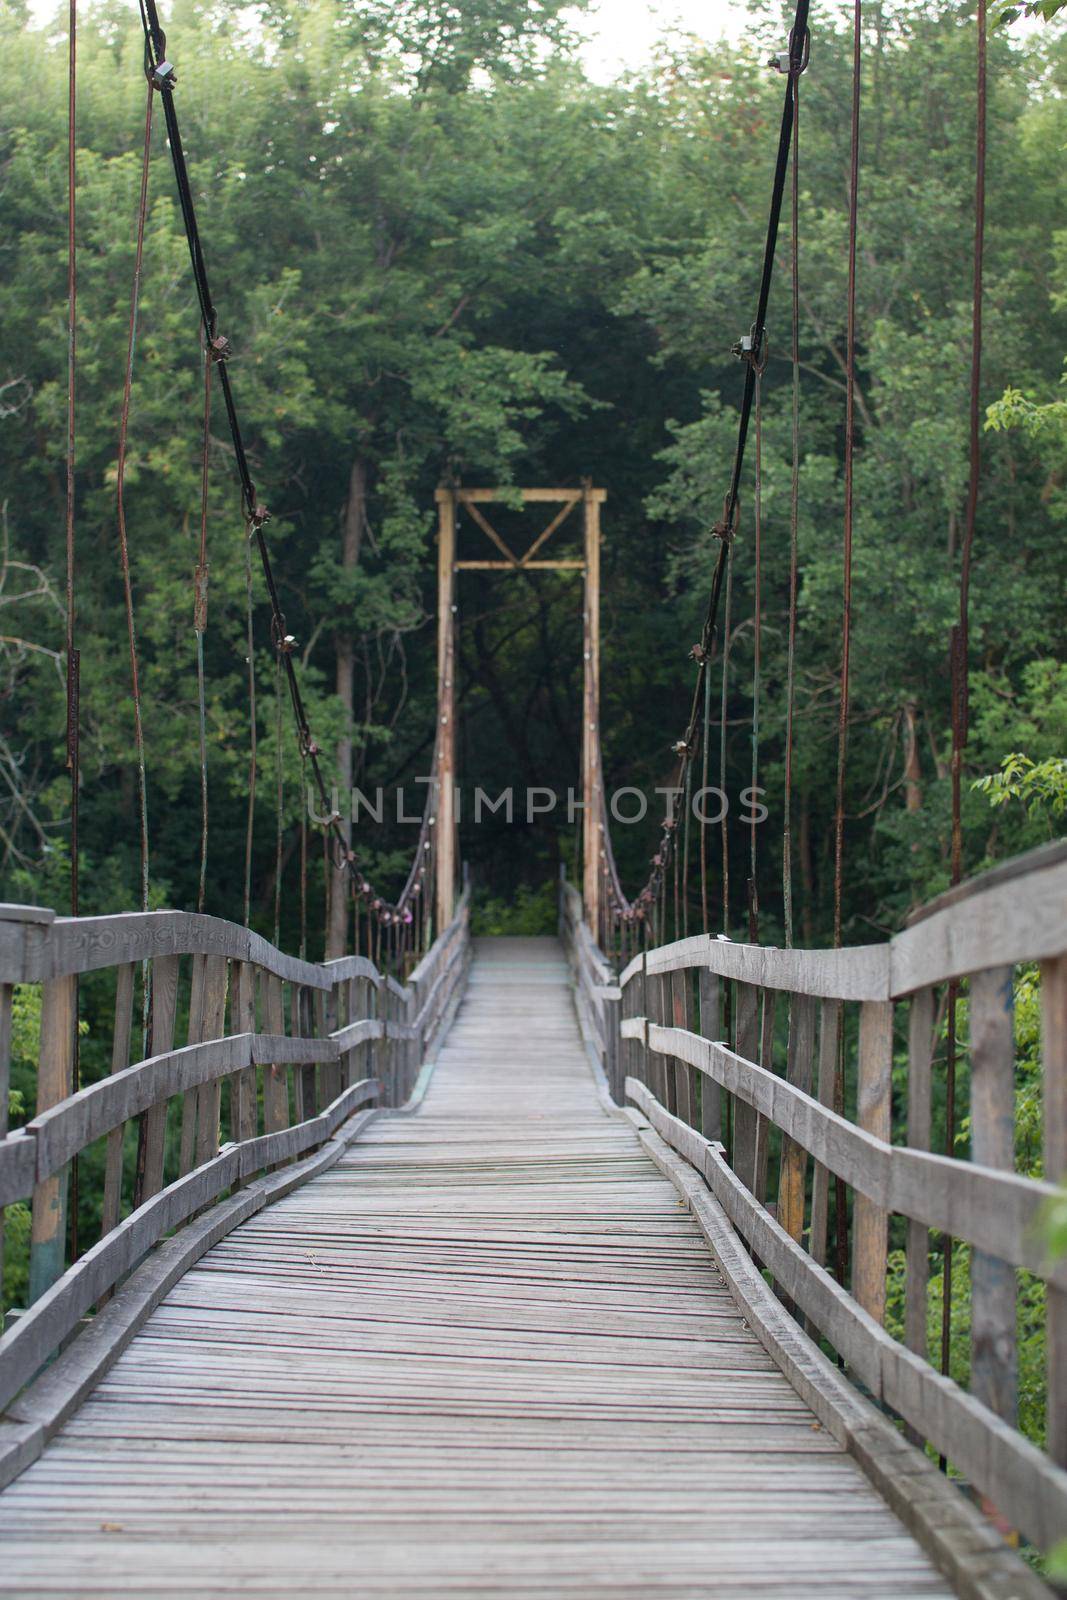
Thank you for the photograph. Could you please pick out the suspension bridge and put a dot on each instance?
(529, 1266)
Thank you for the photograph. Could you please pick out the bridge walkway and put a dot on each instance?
(487, 1354)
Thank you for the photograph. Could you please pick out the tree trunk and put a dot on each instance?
(913, 795)
(345, 653)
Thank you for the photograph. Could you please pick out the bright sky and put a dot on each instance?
(619, 34)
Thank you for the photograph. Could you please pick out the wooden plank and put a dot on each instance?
(208, 1100)
(1054, 1064)
(275, 1075)
(998, 1460)
(917, 1247)
(746, 1120)
(710, 993)
(994, 1359)
(768, 1005)
(997, 1211)
(680, 1006)
(6, 1000)
(55, 1079)
(829, 1046)
(244, 1108)
(1010, 915)
(194, 1035)
(799, 1071)
(859, 972)
(152, 1137)
(120, 1060)
(870, 1224)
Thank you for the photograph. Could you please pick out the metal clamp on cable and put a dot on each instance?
(791, 62)
(752, 347)
(163, 76)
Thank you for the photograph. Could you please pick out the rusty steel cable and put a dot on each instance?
(850, 449)
(794, 524)
(250, 812)
(840, 1199)
(723, 703)
(751, 349)
(162, 78)
(960, 641)
(124, 551)
(200, 627)
(757, 643)
(73, 658)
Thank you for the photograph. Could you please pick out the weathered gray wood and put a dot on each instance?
(152, 1140)
(681, 1004)
(208, 1098)
(18, 1166)
(194, 1035)
(860, 972)
(829, 1046)
(1000, 1212)
(870, 1222)
(977, 1556)
(275, 1074)
(244, 1109)
(55, 1075)
(799, 1071)
(1054, 1063)
(768, 1006)
(6, 996)
(746, 1116)
(1007, 1468)
(920, 1063)
(710, 988)
(120, 1060)
(1011, 914)
(994, 1359)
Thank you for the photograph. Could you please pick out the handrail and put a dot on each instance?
(707, 1077)
(990, 925)
(357, 1037)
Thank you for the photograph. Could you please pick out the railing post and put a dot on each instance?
(994, 1363)
(870, 1223)
(55, 1081)
(1054, 1063)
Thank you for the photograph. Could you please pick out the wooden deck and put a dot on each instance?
(486, 1354)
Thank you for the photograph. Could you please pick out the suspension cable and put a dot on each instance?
(124, 553)
(850, 447)
(200, 627)
(959, 651)
(794, 523)
(73, 657)
(751, 349)
(162, 78)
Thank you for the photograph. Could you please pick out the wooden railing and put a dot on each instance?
(284, 1053)
(736, 1096)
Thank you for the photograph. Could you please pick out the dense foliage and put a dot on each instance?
(453, 255)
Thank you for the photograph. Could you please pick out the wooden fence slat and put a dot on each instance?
(768, 1008)
(120, 1058)
(917, 1244)
(7, 993)
(684, 1074)
(746, 1024)
(209, 1095)
(710, 992)
(194, 1035)
(870, 1228)
(244, 1109)
(798, 1072)
(55, 1081)
(829, 1045)
(152, 1140)
(994, 1360)
(1054, 1062)
(275, 1076)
